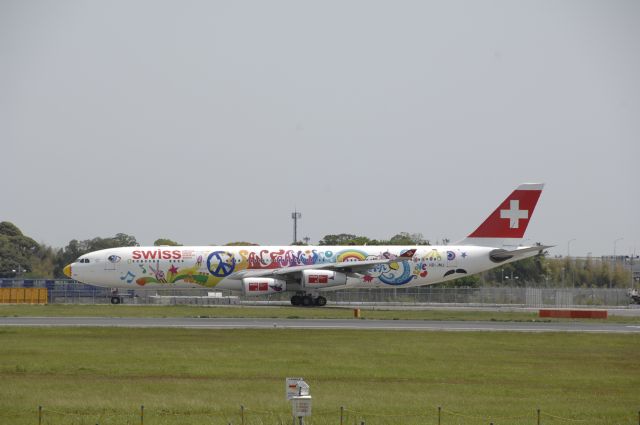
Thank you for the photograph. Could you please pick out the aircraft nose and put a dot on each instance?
(67, 270)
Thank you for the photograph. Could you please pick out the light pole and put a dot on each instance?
(569, 247)
(615, 242)
(569, 259)
(631, 266)
(295, 215)
(614, 247)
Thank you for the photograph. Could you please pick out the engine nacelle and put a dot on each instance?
(322, 279)
(252, 286)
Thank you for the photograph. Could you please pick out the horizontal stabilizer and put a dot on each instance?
(500, 255)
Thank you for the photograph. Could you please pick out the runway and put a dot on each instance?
(309, 324)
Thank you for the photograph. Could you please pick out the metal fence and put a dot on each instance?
(71, 292)
(490, 296)
(439, 415)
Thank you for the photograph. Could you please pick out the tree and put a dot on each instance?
(16, 250)
(43, 262)
(349, 239)
(9, 229)
(241, 244)
(472, 281)
(404, 238)
(122, 239)
(11, 260)
(166, 242)
(521, 273)
(341, 239)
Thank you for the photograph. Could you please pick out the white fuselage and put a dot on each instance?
(225, 267)
(262, 270)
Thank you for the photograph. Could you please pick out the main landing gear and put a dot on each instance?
(308, 300)
(115, 297)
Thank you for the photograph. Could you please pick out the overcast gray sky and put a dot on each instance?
(209, 121)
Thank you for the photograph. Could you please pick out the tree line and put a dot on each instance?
(22, 256)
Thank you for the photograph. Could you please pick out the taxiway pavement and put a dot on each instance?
(352, 324)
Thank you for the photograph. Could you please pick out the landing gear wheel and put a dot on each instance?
(116, 300)
(296, 300)
(307, 301)
(321, 301)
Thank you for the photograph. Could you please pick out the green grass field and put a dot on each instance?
(105, 310)
(185, 376)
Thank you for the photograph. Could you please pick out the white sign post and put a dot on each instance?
(298, 393)
(291, 385)
(301, 406)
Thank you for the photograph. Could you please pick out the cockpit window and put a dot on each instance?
(82, 260)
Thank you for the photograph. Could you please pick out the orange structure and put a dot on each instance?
(574, 314)
(23, 296)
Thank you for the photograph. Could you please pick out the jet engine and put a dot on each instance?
(262, 285)
(322, 279)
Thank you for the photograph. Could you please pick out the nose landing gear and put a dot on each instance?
(308, 300)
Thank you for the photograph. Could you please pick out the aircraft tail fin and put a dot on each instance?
(505, 227)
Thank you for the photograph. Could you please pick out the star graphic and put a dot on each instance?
(367, 278)
(464, 255)
(173, 269)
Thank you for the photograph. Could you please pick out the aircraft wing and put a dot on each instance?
(343, 267)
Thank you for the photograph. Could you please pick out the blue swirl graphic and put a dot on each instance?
(405, 277)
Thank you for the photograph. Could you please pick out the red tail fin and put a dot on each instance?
(509, 221)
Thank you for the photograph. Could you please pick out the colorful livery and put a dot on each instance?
(310, 270)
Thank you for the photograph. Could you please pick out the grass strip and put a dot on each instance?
(192, 376)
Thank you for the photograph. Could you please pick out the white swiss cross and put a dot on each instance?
(514, 214)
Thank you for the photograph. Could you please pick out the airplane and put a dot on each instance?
(308, 271)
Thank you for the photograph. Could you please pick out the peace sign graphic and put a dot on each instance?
(221, 263)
